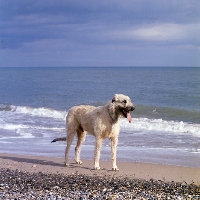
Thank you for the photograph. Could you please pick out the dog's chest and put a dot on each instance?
(110, 131)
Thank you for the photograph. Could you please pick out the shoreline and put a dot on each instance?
(146, 171)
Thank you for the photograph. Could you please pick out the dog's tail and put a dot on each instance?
(59, 139)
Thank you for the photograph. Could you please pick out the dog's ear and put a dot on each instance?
(111, 109)
(114, 98)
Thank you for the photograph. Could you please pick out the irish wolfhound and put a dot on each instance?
(101, 122)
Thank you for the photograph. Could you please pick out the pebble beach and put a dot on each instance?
(24, 185)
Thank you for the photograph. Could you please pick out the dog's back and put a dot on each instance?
(76, 112)
(73, 119)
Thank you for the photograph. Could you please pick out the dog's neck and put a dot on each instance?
(112, 119)
(113, 115)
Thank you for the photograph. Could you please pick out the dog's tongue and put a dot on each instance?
(129, 117)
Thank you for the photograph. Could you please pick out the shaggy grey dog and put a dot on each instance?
(101, 122)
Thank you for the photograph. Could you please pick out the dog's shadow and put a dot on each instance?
(38, 161)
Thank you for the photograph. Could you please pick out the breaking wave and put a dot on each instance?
(160, 125)
(42, 112)
(138, 123)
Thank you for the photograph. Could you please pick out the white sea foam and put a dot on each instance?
(42, 112)
(145, 124)
(13, 126)
(27, 131)
(22, 126)
(24, 133)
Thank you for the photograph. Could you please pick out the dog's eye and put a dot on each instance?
(125, 101)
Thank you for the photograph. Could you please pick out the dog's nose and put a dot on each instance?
(132, 108)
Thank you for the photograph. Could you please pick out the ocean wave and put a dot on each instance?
(10, 126)
(28, 131)
(141, 111)
(42, 112)
(5, 107)
(169, 114)
(151, 122)
(146, 124)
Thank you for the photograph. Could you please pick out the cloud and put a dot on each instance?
(162, 32)
(99, 31)
(171, 33)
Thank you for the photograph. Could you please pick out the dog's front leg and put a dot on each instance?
(114, 142)
(97, 153)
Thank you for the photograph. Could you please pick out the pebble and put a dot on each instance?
(24, 185)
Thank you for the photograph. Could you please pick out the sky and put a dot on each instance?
(63, 33)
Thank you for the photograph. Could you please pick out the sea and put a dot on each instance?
(165, 127)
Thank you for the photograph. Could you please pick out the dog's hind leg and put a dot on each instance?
(69, 140)
(81, 138)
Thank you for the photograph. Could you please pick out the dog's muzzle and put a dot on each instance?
(132, 108)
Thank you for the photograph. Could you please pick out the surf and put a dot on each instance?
(140, 122)
(160, 125)
(42, 111)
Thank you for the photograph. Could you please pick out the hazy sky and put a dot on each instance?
(99, 33)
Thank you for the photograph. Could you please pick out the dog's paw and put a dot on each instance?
(79, 162)
(97, 167)
(115, 169)
(66, 164)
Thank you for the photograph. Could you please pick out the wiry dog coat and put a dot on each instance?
(101, 122)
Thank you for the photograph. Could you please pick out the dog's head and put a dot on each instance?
(123, 105)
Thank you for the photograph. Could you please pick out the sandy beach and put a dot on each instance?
(148, 173)
(134, 170)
